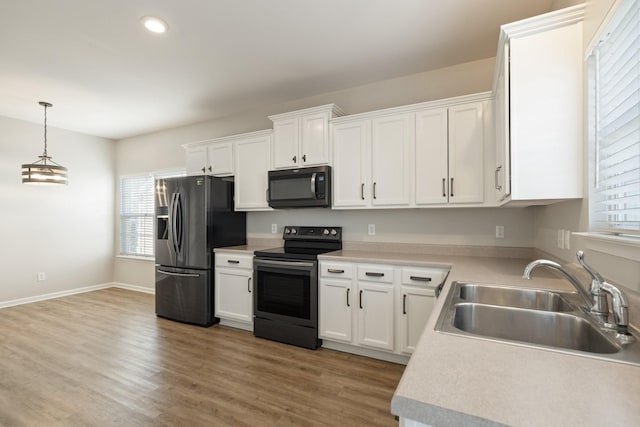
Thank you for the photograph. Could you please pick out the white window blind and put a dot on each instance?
(614, 110)
(136, 215)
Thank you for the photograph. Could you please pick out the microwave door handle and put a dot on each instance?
(313, 185)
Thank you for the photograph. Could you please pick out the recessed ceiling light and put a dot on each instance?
(155, 25)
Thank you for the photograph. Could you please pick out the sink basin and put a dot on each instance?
(530, 326)
(530, 317)
(534, 299)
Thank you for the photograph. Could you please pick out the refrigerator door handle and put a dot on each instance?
(169, 273)
(179, 223)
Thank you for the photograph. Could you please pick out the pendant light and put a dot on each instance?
(45, 170)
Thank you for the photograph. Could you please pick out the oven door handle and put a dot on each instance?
(283, 263)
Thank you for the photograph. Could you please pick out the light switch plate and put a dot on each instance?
(567, 239)
(499, 231)
(560, 239)
(371, 229)
(274, 228)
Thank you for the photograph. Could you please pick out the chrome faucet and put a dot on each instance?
(596, 298)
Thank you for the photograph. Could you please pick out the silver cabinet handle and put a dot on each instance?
(498, 187)
(313, 185)
(348, 305)
(444, 191)
(334, 270)
(233, 261)
(170, 273)
(420, 279)
(362, 191)
(451, 187)
(249, 284)
(370, 274)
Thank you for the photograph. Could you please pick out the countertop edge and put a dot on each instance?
(436, 415)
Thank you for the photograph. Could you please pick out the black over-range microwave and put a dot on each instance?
(300, 188)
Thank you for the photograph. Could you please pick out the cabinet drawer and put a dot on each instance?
(375, 273)
(425, 277)
(234, 260)
(336, 270)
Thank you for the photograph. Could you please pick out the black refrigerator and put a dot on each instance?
(194, 214)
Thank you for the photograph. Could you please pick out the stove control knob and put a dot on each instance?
(287, 231)
(325, 232)
(294, 231)
(333, 232)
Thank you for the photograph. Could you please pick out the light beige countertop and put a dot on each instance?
(455, 380)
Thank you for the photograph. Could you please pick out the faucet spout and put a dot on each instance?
(572, 279)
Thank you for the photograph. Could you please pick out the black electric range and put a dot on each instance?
(286, 285)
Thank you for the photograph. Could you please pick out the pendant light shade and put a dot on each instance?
(44, 171)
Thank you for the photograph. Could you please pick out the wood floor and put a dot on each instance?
(104, 359)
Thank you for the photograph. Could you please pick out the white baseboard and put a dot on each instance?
(361, 351)
(52, 295)
(136, 288)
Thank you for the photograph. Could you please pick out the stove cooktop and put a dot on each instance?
(305, 243)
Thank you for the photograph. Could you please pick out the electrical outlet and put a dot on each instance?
(41, 276)
(274, 228)
(560, 239)
(499, 231)
(567, 239)
(372, 229)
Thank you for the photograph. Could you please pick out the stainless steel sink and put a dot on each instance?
(534, 299)
(531, 317)
(535, 327)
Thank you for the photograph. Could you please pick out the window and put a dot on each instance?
(137, 212)
(136, 215)
(614, 123)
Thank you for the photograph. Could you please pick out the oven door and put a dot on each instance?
(286, 291)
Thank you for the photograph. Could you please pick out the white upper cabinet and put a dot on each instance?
(252, 164)
(431, 161)
(466, 148)
(350, 163)
(391, 144)
(411, 156)
(372, 162)
(538, 88)
(211, 157)
(301, 138)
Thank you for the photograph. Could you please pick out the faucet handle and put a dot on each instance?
(594, 274)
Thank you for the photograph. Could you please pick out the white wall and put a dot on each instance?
(162, 150)
(66, 232)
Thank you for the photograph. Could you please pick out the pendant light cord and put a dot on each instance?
(45, 131)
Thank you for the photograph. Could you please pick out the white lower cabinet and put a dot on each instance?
(234, 288)
(374, 306)
(417, 305)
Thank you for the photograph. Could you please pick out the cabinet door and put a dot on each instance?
(233, 295)
(391, 142)
(417, 305)
(466, 148)
(502, 171)
(431, 159)
(252, 166)
(315, 140)
(336, 302)
(350, 164)
(196, 159)
(286, 136)
(220, 159)
(375, 315)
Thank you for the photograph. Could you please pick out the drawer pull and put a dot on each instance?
(404, 304)
(360, 300)
(348, 304)
(370, 274)
(420, 279)
(249, 284)
(233, 261)
(335, 270)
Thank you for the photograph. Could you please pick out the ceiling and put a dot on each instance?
(106, 75)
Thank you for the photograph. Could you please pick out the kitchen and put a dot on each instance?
(85, 257)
